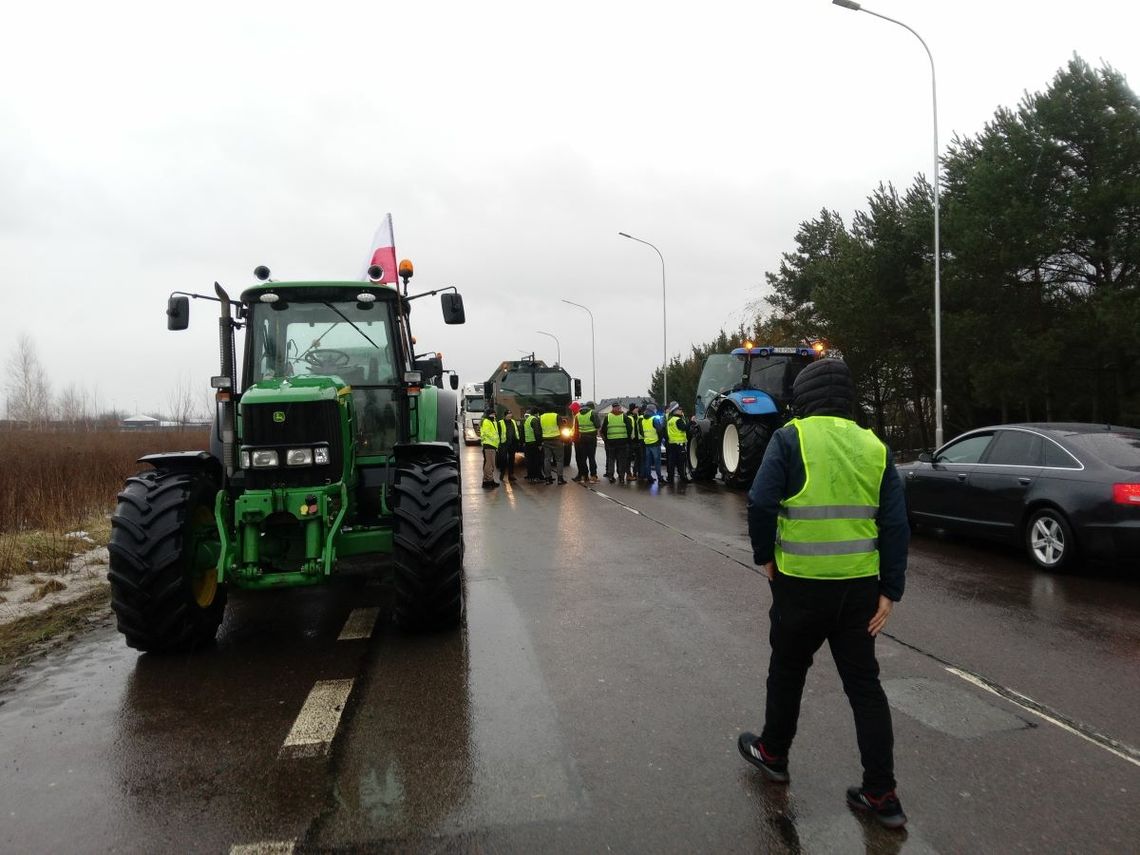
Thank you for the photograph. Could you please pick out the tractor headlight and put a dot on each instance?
(321, 455)
(245, 460)
(264, 459)
(299, 457)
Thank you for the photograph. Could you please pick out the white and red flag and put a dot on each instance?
(383, 252)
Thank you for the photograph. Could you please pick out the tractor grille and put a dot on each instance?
(305, 425)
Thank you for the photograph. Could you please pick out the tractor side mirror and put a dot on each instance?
(577, 388)
(178, 313)
(453, 308)
(454, 381)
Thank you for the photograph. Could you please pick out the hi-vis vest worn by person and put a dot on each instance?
(586, 422)
(674, 432)
(828, 529)
(616, 427)
(649, 431)
(491, 432)
(528, 428)
(549, 423)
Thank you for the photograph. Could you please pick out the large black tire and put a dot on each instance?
(163, 569)
(702, 452)
(743, 439)
(428, 543)
(1049, 541)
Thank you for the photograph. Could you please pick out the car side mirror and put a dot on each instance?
(178, 313)
(453, 309)
(926, 457)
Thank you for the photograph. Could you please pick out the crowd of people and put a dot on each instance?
(633, 442)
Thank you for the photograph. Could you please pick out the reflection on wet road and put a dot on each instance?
(613, 647)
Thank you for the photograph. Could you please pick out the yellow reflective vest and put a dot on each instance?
(649, 431)
(549, 424)
(828, 529)
(586, 422)
(491, 432)
(674, 432)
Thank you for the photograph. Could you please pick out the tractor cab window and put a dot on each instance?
(336, 339)
(776, 374)
(721, 373)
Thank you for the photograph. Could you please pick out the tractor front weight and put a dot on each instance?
(317, 515)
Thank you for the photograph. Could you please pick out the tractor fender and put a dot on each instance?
(186, 461)
(447, 404)
(431, 450)
(753, 402)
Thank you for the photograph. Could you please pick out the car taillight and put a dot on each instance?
(1126, 494)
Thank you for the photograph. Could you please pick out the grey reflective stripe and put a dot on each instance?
(829, 547)
(831, 512)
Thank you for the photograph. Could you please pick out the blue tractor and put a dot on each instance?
(743, 397)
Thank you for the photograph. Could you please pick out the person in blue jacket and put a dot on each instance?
(827, 521)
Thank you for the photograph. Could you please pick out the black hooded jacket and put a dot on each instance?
(824, 388)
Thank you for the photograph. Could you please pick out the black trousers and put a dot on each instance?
(532, 452)
(585, 450)
(677, 460)
(804, 614)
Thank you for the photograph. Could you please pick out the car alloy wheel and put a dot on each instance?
(1049, 540)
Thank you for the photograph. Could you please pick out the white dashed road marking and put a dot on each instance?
(359, 624)
(316, 724)
(1112, 746)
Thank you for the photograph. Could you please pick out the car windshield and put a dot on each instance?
(338, 339)
(1116, 449)
(474, 404)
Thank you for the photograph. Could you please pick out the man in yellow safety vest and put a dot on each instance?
(492, 434)
(827, 520)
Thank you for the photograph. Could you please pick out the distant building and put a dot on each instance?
(140, 422)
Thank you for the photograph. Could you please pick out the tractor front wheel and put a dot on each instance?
(702, 451)
(164, 553)
(428, 543)
(743, 440)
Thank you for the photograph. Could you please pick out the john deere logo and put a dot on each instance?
(279, 416)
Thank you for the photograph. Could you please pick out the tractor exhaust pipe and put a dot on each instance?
(226, 383)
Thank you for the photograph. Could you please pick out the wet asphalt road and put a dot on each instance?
(614, 646)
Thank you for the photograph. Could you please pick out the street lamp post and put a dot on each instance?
(593, 359)
(558, 347)
(664, 326)
(856, 7)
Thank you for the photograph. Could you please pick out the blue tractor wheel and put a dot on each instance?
(743, 439)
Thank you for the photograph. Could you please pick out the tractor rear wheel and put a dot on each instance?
(742, 444)
(428, 543)
(164, 555)
(702, 453)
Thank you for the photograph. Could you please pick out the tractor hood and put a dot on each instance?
(292, 390)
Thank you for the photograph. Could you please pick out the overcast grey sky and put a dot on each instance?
(146, 150)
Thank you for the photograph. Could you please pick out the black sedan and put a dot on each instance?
(1063, 491)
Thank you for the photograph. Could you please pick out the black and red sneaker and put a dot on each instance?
(751, 749)
(886, 809)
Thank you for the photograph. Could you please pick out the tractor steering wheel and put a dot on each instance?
(323, 358)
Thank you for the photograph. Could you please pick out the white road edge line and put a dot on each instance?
(360, 624)
(970, 678)
(316, 723)
(265, 847)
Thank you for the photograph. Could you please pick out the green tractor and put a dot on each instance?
(331, 446)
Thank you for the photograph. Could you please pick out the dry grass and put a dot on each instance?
(21, 639)
(52, 483)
